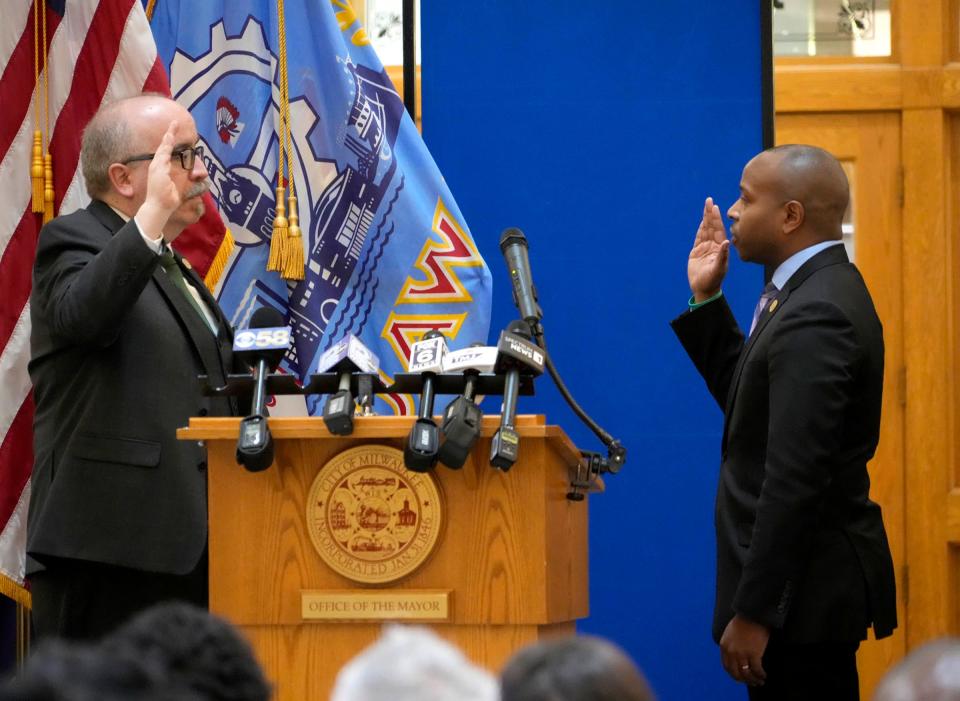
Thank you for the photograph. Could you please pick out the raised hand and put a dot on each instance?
(707, 264)
(162, 192)
(163, 198)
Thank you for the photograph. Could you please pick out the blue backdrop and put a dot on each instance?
(598, 129)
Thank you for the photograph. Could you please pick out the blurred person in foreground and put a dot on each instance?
(580, 668)
(412, 664)
(929, 673)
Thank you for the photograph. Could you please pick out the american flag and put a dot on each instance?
(95, 52)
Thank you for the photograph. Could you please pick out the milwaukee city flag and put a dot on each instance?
(341, 218)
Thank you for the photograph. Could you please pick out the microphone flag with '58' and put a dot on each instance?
(262, 347)
(423, 444)
(516, 354)
(345, 357)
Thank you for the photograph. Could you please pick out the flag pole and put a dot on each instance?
(410, 58)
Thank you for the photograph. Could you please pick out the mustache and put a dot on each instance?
(196, 190)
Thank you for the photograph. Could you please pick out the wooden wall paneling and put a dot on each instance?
(922, 31)
(837, 88)
(927, 327)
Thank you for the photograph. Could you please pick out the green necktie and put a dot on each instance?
(169, 264)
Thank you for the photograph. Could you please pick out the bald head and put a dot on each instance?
(121, 129)
(929, 673)
(816, 180)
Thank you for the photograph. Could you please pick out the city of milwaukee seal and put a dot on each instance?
(369, 518)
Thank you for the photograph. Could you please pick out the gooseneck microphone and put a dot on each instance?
(262, 347)
(513, 245)
(423, 443)
(347, 356)
(516, 354)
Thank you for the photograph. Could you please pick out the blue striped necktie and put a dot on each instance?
(769, 292)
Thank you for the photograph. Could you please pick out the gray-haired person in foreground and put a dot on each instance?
(412, 664)
(929, 673)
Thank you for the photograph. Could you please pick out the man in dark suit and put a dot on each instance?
(121, 327)
(803, 564)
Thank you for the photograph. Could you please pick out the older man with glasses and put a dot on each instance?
(121, 327)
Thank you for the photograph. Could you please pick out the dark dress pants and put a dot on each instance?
(815, 672)
(82, 600)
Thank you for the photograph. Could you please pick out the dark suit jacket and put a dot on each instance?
(800, 545)
(115, 353)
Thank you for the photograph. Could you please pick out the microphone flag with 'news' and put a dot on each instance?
(387, 254)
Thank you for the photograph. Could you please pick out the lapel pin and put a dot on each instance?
(186, 264)
(773, 305)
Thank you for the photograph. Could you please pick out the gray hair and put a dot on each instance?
(413, 664)
(929, 673)
(106, 140)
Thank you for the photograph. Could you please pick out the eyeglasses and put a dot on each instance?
(188, 156)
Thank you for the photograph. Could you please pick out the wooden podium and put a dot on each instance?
(510, 560)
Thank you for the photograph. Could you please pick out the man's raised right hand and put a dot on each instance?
(707, 264)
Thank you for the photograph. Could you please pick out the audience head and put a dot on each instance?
(580, 668)
(204, 652)
(929, 673)
(412, 664)
(73, 671)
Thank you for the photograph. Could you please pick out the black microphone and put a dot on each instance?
(426, 357)
(513, 245)
(462, 417)
(516, 354)
(345, 357)
(262, 347)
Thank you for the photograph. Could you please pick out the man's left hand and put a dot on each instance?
(741, 649)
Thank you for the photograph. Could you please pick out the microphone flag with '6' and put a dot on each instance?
(422, 449)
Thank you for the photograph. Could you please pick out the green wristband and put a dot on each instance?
(694, 305)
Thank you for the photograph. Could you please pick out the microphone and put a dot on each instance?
(516, 353)
(426, 357)
(462, 417)
(346, 356)
(262, 347)
(513, 245)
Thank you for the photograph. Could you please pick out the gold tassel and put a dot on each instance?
(36, 171)
(293, 263)
(278, 241)
(219, 262)
(47, 188)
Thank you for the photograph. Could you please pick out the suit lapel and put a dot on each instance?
(206, 345)
(197, 330)
(773, 306)
(829, 256)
